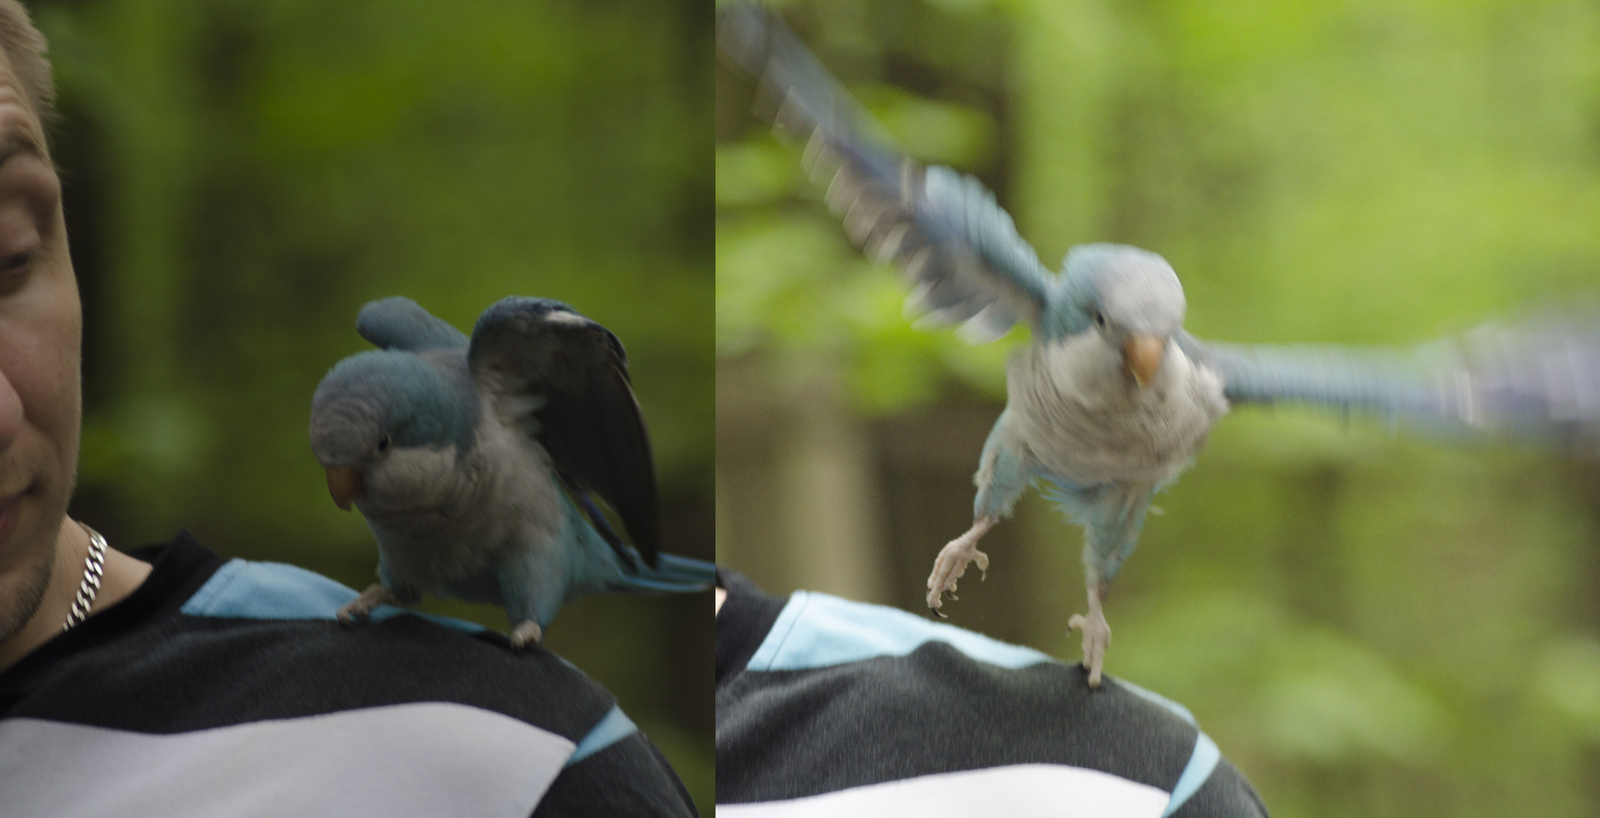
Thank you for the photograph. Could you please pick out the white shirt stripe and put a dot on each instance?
(423, 759)
(1018, 791)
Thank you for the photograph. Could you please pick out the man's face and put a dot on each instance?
(40, 343)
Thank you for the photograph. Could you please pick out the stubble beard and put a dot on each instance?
(22, 608)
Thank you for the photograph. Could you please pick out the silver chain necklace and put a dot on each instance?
(94, 567)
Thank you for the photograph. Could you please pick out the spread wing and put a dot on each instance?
(957, 247)
(1532, 383)
(563, 380)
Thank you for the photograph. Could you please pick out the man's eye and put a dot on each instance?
(14, 271)
(16, 261)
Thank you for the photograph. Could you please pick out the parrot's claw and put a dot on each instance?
(952, 564)
(527, 632)
(1096, 636)
(360, 609)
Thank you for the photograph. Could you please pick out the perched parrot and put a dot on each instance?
(478, 463)
(1112, 399)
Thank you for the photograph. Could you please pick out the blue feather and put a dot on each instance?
(672, 575)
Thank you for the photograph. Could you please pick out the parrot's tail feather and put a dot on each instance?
(672, 575)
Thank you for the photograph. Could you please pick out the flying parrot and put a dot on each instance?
(1112, 399)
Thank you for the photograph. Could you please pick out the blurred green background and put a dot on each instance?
(241, 176)
(1368, 625)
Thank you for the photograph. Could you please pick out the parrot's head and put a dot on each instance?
(1130, 297)
(375, 412)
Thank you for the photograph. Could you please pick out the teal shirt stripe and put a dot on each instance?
(1181, 711)
(242, 589)
(1201, 763)
(613, 727)
(819, 630)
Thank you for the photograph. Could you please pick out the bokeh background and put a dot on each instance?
(242, 176)
(1368, 625)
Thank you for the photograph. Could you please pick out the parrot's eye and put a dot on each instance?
(1100, 318)
(383, 443)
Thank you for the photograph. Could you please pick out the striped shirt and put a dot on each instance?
(228, 688)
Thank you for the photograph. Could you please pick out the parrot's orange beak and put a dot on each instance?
(1141, 355)
(344, 484)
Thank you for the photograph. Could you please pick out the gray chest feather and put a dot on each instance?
(1085, 420)
(438, 521)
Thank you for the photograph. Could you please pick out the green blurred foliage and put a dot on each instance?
(242, 176)
(1369, 625)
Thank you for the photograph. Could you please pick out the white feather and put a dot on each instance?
(565, 318)
(1085, 420)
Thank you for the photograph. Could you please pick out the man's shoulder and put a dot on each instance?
(266, 591)
(253, 672)
(261, 641)
(899, 659)
(869, 700)
(817, 630)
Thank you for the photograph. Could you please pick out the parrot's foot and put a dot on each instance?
(360, 608)
(527, 632)
(1096, 636)
(952, 563)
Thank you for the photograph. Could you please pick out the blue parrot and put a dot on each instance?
(1113, 399)
(480, 464)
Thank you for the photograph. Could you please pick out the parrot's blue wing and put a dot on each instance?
(1534, 383)
(398, 322)
(958, 248)
(563, 380)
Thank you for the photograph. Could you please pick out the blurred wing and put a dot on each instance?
(1539, 384)
(563, 380)
(399, 323)
(957, 247)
